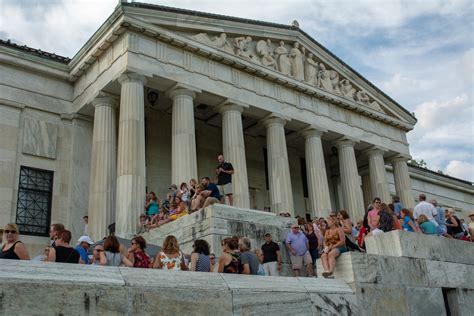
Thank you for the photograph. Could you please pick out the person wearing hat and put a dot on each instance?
(83, 246)
(271, 256)
(471, 226)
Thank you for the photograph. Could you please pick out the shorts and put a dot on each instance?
(225, 189)
(342, 249)
(298, 261)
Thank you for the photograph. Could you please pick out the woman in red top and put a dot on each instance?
(137, 254)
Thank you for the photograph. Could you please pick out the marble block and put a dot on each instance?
(39, 138)
(414, 245)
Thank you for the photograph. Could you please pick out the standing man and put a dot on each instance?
(425, 208)
(440, 219)
(298, 247)
(271, 256)
(54, 230)
(86, 225)
(248, 259)
(224, 173)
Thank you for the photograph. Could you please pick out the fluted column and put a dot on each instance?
(350, 179)
(318, 187)
(103, 168)
(130, 155)
(377, 174)
(366, 191)
(281, 194)
(234, 150)
(183, 138)
(402, 181)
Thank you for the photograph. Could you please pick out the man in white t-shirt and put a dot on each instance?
(425, 208)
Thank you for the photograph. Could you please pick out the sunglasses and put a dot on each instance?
(10, 231)
(98, 250)
(212, 258)
(134, 243)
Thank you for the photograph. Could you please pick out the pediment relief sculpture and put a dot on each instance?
(295, 62)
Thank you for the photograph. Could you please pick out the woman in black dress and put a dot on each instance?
(13, 248)
(63, 252)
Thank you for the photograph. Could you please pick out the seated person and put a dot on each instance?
(211, 192)
(180, 209)
(197, 200)
(161, 218)
(427, 226)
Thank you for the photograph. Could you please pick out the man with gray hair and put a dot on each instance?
(440, 218)
(248, 259)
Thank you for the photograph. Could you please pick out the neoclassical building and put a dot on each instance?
(157, 93)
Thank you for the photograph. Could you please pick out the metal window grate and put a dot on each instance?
(33, 212)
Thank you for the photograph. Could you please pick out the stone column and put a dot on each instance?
(350, 179)
(234, 150)
(183, 139)
(318, 187)
(131, 155)
(402, 181)
(366, 191)
(281, 195)
(103, 168)
(377, 174)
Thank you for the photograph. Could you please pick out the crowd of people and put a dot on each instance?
(324, 238)
(188, 197)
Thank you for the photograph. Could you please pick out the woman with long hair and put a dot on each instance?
(346, 224)
(170, 257)
(111, 255)
(200, 257)
(408, 220)
(13, 248)
(334, 246)
(137, 254)
(229, 261)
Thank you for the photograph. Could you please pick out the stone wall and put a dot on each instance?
(37, 288)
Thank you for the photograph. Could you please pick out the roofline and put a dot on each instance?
(36, 52)
(261, 23)
(440, 174)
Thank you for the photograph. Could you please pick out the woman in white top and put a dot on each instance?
(170, 257)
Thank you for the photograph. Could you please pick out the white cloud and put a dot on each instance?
(461, 169)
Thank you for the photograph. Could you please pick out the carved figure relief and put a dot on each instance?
(265, 50)
(296, 60)
(311, 70)
(295, 63)
(347, 90)
(284, 65)
(217, 42)
(324, 78)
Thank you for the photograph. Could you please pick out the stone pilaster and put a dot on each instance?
(402, 181)
(281, 194)
(377, 174)
(318, 188)
(103, 168)
(183, 138)
(350, 179)
(234, 150)
(131, 155)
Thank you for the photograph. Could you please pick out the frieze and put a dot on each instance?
(294, 61)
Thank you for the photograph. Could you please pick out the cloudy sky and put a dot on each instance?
(421, 53)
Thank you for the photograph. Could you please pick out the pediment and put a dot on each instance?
(286, 52)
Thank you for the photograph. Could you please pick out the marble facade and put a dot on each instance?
(279, 101)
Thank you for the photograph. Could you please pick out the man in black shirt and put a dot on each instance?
(224, 173)
(271, 256)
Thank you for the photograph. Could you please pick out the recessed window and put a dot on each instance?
(33, 211)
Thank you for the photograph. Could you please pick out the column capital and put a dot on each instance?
(106, 99)
(182, 89)
(231, 105)
(375, 151)
(131, 76)
(312, 131)
(275, 118)
(345, 141)
(399, 158)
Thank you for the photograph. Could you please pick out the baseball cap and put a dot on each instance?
(267, 235)
(86, 239)
(173, 186)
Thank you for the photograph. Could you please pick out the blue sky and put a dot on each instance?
(421, 53)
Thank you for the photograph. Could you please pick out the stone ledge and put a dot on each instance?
(53, 288)
(413, 245)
